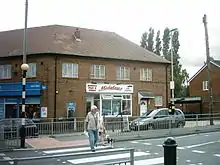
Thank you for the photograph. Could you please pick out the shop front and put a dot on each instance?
(111, 99)
(10, 99)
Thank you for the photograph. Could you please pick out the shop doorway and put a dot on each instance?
(11, 111)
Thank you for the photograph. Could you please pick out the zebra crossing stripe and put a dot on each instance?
(72, 150)
(106, 157)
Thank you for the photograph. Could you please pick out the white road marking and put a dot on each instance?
(218, 155)
(197, 151)
(72, 150)
(134, 142)
(147, 144)
(8, 158)
(201, 144)
(2, 154)
(180, 148)
(106, 157)
(160, 145)
(200, 163)
(188, 161)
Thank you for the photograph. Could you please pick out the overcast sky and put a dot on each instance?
(128, 18)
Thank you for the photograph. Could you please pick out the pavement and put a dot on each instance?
(195, 149)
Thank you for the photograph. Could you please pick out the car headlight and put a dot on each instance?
(140, 122)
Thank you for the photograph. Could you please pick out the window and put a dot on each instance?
(70, 70)
(205, 86)
(114, 105)
(31, 72)
(123, 73)
(145, 74)
(97, 72)
(158, 101)
(5, 71)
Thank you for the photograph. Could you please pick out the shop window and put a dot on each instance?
(5, 71)
(123, 73)
(70, 70)
(145, 74)
(31, 110)
(158, 101)
(116, 104)
(97, 72)
(31, 72)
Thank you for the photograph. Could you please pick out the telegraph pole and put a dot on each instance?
(209, 69)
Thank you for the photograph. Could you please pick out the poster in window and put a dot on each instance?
(71, 109)
(43, 112)
(143, 107)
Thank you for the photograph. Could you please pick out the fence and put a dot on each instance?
(29, 160)
(115, 127)
(194, 121)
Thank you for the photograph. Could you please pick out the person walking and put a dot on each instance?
(91, 126)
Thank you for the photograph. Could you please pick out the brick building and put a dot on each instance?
(74, 68)
(198, 86)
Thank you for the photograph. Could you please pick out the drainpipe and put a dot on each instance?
(167, 90)
(55, 89)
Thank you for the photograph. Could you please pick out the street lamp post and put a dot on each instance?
(24, 68)
(172, 84)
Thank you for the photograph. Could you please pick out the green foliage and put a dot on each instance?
(180, 75)
(158, 46)
(144, 40)
(166, 42)
(150, 40)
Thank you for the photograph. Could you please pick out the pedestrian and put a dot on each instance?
(102, 131)
(91, 126)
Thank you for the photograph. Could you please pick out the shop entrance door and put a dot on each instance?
(11, 111)
(89, 103)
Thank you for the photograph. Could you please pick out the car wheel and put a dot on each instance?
(180, 125)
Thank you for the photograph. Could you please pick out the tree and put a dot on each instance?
(179, 75)
(144, 40)
(150, 40)
(158, 46)
(166, 42)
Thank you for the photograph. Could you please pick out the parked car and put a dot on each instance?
(158, 119)
(10, 128)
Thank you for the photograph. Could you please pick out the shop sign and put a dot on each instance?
(109, 88)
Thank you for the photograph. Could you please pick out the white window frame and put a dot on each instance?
(146, 74)
(97, 72)
(205, 86)
(121, 97)
(69, 70)
(5, 71)
(122, 73)
(32, 71)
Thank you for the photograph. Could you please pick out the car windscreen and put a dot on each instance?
(148, 114)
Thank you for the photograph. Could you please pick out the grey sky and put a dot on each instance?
(129, 18)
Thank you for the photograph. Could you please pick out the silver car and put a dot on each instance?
(158, 119)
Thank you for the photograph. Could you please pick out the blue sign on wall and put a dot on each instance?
(15, 89)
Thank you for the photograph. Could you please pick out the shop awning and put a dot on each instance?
(15, 89)
(144, 95)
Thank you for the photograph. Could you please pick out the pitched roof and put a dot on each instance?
(214, 62)
(59, 39)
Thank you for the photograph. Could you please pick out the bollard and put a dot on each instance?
(170, 151)
(22, 132)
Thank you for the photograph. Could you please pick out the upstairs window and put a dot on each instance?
(122, 73)
(70, 70)
(205, 85)
(31, 72)
(145, 74)
(97, 72)
(5, 72)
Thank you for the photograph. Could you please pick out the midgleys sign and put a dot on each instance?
(109, 88)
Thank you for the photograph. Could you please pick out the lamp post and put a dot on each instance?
(24, 68)
(172, 86)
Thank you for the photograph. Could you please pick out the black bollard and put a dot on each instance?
(170, 151)
(22, 133)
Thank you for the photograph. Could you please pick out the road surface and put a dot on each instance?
(199, 149)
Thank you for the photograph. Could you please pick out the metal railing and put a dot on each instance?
(16, 161)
